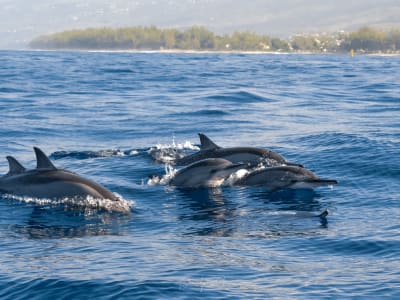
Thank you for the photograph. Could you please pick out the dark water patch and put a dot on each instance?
(206, 113)
(349, 75)
(11, 90)
(116, 70)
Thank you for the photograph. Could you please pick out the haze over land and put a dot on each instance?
(23, 20)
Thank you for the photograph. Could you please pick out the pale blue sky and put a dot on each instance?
(22, 20)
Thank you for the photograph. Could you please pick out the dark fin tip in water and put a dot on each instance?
(324, 214)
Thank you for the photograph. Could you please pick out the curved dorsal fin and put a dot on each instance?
(43, 162)
(15, 166)
(206, 143)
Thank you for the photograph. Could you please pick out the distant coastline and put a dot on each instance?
(197, 39)
(194, 52)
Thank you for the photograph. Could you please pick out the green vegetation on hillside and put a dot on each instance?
(373, 40)
(365, 39)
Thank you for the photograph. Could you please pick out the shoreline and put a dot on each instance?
(180, 51)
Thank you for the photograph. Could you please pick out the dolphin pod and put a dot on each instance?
(249, 155)
(46, 181)
(209, 167)
(276, 172)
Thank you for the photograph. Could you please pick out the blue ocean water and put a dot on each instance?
(99, 114)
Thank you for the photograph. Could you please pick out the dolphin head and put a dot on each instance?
(205, 173)
(312, 183)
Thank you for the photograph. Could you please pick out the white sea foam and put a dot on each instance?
(110, 153)
(120, 206)
(168, 153)
(133, 152)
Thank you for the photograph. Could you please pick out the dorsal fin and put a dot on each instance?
(15, 166)
(43, 162)
(206, 143)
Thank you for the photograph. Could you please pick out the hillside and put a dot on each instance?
(197, 38)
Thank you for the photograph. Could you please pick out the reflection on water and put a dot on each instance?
(295, 200)
(253, 212)
(205, 203)
(56, 223)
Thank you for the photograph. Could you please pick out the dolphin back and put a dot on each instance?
(46, 181)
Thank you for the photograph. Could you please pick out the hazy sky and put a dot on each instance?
(22, 20)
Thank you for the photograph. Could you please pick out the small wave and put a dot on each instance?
(382, 248)
(11, 90)
(119, 206)
(48, 287)
(239, 96)
(206, 112)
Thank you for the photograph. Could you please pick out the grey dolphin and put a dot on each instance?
(249, 155)
(46, 181)
(205, 173)
(282, 177)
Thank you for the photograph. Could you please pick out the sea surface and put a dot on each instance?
(107, 115)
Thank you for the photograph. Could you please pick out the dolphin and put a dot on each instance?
(284, 177)
(210, 172)
(46, 181)
(249, 155)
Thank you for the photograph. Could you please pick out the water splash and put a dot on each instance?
(168, 153)
(163, 179)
